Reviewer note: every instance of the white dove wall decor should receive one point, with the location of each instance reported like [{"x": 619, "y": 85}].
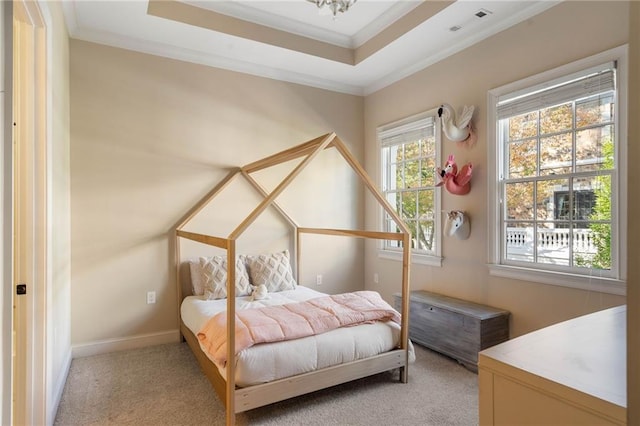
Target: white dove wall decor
[{"x": 456, "y": 129}]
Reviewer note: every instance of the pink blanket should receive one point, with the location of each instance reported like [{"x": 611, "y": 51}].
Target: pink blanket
[{"x": 293, "y": 321}]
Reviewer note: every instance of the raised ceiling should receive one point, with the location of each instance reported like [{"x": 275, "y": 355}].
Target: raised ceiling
[{"x": 372, "y": 45}]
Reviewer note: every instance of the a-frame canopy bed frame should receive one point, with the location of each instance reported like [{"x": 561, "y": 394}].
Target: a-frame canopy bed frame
[{"x": 242, "y": 399}]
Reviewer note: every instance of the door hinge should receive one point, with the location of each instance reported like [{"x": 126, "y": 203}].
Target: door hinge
[{"x": 21, "y": 289}]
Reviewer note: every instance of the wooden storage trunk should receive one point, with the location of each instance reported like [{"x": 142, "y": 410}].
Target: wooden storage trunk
[{"x": 454, "y": 327}]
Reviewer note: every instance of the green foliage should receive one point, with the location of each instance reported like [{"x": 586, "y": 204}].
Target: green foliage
[
  {"x": 414, "y": 199},
  {"x": 552, "y": 144},
  {"x": 602, "y": 212}
]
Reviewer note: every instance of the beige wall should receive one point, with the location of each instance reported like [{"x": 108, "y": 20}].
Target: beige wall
[
  {"x": 548, "y": 40},
  {"x": 151, "y": 136}
]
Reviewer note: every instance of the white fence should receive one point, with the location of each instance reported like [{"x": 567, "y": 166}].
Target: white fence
[{"x": 551, "y": 243}]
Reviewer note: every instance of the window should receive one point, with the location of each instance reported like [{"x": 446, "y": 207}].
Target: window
[
  {"x": 560, "y": 182},
  {"x": 582, "y": 207},
  {"x": 409, "y": 154}
]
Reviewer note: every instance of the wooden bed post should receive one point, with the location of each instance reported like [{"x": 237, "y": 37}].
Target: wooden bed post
[
  {"x": 298, "y": 254},
  {"x": 231, "y": 332},
  {"x": 177, "y": 261},
  {"x": 404, "y": 326}
]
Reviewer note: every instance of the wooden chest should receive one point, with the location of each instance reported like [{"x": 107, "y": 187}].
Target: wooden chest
[{"x": 454, "y": 327}]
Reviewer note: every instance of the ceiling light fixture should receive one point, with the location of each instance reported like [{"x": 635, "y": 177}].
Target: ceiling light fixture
[{"x": 336, "y": 6}]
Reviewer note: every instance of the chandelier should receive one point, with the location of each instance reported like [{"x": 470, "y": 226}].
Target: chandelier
[{"x": 334, "y": 5}]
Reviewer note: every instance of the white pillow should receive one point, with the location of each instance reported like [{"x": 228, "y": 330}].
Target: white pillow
[
  {"x": 197, "y": 287},
  {"x": 209, "y": 277},
  {"x": 272, "y": 270}
]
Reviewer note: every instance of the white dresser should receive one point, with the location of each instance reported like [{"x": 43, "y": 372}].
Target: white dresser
[{"x": 571, "y": 373}]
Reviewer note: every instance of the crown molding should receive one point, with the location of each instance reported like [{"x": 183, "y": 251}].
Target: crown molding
[{"x": 216, "y": 61}]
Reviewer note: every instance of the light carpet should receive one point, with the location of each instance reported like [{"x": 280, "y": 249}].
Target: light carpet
[{"x": 163, "y": 385}]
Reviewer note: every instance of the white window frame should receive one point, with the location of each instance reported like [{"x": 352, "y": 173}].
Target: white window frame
[
  {"x": 613, "y": 281},
  {"x": 397, "y": 128}
]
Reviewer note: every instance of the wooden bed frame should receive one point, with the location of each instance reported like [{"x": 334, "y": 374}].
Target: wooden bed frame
[{"x": 236, "y": 399}]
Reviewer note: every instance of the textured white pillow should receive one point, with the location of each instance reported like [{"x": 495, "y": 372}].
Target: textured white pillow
[
  {"x": 272, "y": 270},
  {"x": 209, "y": 277},
  {"x": 197, "y": 287}
]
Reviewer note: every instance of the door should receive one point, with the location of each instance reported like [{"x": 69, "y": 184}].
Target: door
[{"x": 29, "y": 215}]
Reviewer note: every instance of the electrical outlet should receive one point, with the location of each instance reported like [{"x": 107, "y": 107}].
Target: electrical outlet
[
  {"x": 318, "y": 279},
  {"x": 151, "y": 297},
  {"x": 376, "y": 279}
]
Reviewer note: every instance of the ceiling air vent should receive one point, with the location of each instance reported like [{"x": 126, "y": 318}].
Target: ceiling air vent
[{"x": 483, "y": 12}]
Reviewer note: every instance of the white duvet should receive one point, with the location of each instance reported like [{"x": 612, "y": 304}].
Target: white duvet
[{"x": 271, "y": 361}]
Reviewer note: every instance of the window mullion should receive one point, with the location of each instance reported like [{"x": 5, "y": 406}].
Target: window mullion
[
  {"x": 538, "y": 145},
  {"x": 574, "y": 169},
  {"x": 503, "y": 158},
  {"x": 574, "y": 126},
  {"x": 572, "y": 214}
]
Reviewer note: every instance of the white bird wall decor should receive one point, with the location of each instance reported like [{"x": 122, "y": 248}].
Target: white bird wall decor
[{"x": 456, "y": 129}]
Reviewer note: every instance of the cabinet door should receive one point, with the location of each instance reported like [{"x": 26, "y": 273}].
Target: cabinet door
[{"x": 515, "y": 403}]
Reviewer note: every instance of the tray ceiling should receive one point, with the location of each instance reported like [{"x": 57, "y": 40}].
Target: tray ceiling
[{"x": 372, "y": 45}]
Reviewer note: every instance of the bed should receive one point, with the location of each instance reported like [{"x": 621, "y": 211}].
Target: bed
[
  {"x": 267, "y": 362},
  {"x": 269, "y": 372}
]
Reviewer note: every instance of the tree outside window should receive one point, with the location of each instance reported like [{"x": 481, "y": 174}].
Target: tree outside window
[
  {"x": 558, "y": 163},
  {"x": 408, "y": 162}
]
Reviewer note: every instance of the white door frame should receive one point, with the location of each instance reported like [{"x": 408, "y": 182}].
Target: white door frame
[
  {"x": 6, "y": 214},
  {"x": 30, "y": 215}
]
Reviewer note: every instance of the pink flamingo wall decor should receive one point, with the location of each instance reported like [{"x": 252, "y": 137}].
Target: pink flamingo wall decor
[{"x": 458, "y": 183}]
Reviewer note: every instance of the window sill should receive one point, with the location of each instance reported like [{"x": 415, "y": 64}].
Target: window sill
[
  {"x": 582, "y": 282},
  {"x": 416, "y": 259}
]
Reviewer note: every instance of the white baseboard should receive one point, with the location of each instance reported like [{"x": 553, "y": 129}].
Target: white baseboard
[{"x": 124, "y": 343}]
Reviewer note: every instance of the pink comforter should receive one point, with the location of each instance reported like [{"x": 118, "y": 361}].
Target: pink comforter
[{"x": 293, "y": 321}]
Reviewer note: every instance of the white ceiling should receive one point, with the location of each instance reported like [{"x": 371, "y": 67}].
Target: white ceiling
[{"x": 127, "y": 24}]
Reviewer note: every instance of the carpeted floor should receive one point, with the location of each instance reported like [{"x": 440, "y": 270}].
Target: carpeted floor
[{"x": 162, "y": 385}]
